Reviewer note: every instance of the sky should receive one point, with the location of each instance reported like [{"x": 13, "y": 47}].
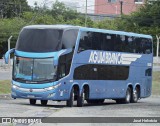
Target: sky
[{"x": 80, "y": 3}]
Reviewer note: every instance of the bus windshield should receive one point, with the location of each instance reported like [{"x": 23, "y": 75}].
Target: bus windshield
[
  {"x": 39, "y": 40},
  {"x": 34, "y": 70}
]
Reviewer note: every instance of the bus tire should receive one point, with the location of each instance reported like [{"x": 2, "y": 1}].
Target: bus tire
[
  {"x": 71, "y": 99},
  {"x": 81, "y": 99},
  {"x": 44, "y": 102},
  {"x": 32, "y": 101},
  {"x": 128, "y": 96},
  {"x": 135, "y": 96}
]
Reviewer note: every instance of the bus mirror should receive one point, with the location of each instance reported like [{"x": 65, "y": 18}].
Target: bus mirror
[{"x": 7, "y": 54}]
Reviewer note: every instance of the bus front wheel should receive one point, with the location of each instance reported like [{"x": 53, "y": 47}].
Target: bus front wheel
[
  {"x": 71, "y": 99},
  {"x": 32, "y": 101},
  {"x": 44, "y": 102}
]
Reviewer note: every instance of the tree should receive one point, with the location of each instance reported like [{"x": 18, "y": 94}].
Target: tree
[
  {"x": 107, "y": 23},
  {"x": 64, "y": 14},
  {"x": 146, "y": 20},
  {"x": 13, "y": 8},
  {"x": 9, "y": 27}
]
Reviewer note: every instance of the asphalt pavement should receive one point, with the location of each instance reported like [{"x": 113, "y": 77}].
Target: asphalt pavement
[{"x": 148, "y": 107}]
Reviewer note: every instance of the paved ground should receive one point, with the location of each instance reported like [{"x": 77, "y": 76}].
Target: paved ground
[
  {"x": 149, "y": 107},
  {"x": 5, "y": 75}
]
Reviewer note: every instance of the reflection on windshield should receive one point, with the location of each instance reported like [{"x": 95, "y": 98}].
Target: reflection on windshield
[{"x": 34, "y": 69}]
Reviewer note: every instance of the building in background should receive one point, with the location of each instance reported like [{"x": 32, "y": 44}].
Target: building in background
[{"x": 113, "y": 7}]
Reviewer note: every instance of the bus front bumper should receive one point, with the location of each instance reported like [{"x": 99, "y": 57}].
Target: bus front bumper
[{"x": 40, "y": 94}]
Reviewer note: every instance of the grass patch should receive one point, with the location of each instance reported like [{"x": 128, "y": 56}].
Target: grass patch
[
  {"x": 156, "y": 83},
  {"x": 5, "y": 86}
]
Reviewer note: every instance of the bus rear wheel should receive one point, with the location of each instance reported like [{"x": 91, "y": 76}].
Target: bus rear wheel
[
  {"x": 44, "y": 102},
  {"x": 128, "y": 96},
  {"x": 32, "y": 101},
  {"x": 135, "y": 96},
  {"x": 71, "y": 99},
  {"x": 81, "y": 99}
]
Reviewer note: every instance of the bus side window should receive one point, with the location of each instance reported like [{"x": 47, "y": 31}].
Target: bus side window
[
  {"x": 107, "y": 43},
  {"x": 64, "y": 65},
  {"x": 61, "y": 67},
  {"x": 85, "y": 41},
  {"x": 69, "y": 38},
  {"x": 148, "y": 72},
  {"x": 148, "y": 46},
  {"x": 96, "y": 40},
  {"x": 83, "y": 72}
]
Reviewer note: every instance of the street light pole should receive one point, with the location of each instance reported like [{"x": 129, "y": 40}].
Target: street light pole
[
  {"x": 158, "y": 38},
  {"x": 86, "y": 15},
  {"x": 121, "y": 3},
  {"x": 9, "y": 41}
]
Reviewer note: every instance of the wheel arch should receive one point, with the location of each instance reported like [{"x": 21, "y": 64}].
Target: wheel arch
[
  {"x": 86, "y": 88},
  {"x": 130, "y": 86},
  {"x": 137, "y": 85}
]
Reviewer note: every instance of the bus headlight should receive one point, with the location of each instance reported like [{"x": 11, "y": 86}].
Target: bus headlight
[
  {"x": 52, "y": 87},
  {"x": 15, "y": 87}
]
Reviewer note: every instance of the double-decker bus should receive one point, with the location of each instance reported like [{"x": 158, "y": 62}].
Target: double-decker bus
[{"x": 73, "y": 63}]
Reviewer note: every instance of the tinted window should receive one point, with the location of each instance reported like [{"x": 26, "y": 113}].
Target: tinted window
[
  {"x": 148, "y": 72},
  {"x": 114, "y": 42},
  {"x": 39, "y": 40},
  {"x": 101, "y": 72},
  {"x": 96, "y": 40},
  {"x": 69, "y": 38},
  {"x": 85, "y": 41},
  {"x": 64, "y": 65}
]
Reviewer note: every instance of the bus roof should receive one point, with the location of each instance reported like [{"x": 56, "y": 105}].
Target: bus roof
[
  {"x": 115, "y": 32},
  {"x": 86, "y": 29},
  {"x": 51, "y": 27}
]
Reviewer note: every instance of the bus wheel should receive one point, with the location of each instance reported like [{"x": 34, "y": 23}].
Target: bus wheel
[
  {"x": 135, "y": 96},
  {"x": 128, "y": 96},
  {"x": 81, "y": 98},
  {"x": 71, "y": 99},
  {"x": 44, "y": 102},
  {"x": 32, "y": 101}
]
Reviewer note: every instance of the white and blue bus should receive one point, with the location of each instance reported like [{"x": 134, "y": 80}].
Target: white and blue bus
[{"x": 73, "y": 63}]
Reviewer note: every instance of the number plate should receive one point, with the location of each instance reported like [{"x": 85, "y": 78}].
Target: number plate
[{"x": 30, "y": 96}]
